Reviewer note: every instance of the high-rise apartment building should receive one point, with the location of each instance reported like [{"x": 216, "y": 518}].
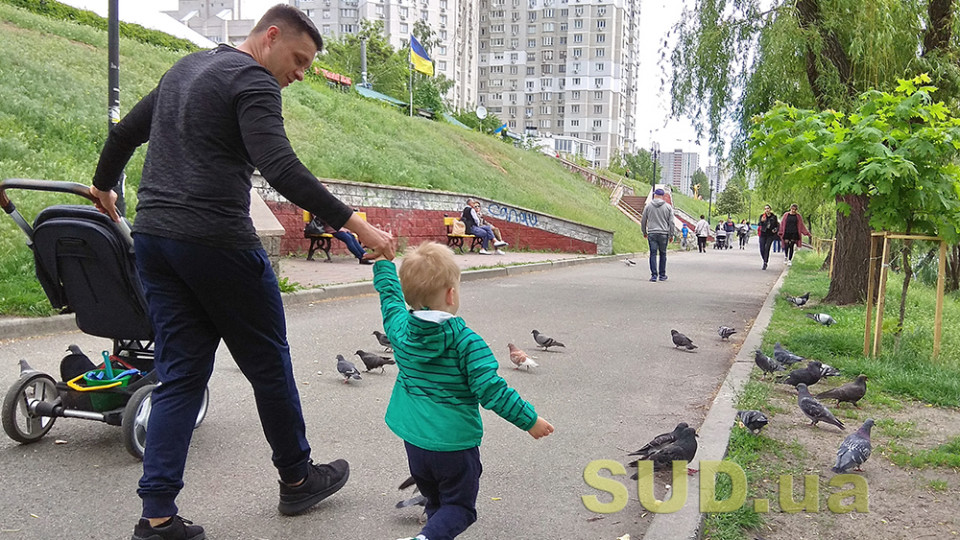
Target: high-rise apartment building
[
  {"x": 220, "y": 21},
  {"x": 562, "y": 68},
  {"x": 678, "y": 168}
]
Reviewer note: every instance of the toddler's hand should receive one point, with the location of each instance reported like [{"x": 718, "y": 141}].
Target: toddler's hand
[{"x": 541, "y": 429}]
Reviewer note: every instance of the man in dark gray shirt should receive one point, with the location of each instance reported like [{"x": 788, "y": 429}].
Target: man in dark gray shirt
[{"x": 213, "y": 118}]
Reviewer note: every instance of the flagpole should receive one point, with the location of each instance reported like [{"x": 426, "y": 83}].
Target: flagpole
[{"x": 411, "y": 89}]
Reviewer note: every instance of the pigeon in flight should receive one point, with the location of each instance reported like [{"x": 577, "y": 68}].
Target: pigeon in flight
[
  {"x": 680, "y": 340},
  {"x": 855, "y": 449},
  {"x": 347, "y": 369},
  {"x": 852, "y": 392},
  {"x": 752, "y": 420},
  {"x": 822, "y": 318},
  {"x": 629, "y": 262},
  {"x": 766, "y": 364},
  {"x": 383, "y": 340},
  {"x": 826, "y": 370},
  {"x": 520, "y": 358},
  {"x": 725, "y": 332},
  {"x": 658, "y": 442},
  {"x": 546, "y": 342},
  {"x": 809, "y": 375},
  {"x": 798, "y": 301},
  {"x": 784, "y": 356},
  {"x": 684, "y": 448},
  {"x": 374, "y": 361},
  {"x": 815, "y": 410}
]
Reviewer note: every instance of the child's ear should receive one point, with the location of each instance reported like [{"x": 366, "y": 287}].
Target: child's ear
[{"x": 451, "y": 295}]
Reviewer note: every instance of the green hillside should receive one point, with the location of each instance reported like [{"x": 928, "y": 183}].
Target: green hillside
[{"x": 53, "y": 124}]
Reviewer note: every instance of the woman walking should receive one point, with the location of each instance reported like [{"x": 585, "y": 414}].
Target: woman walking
[
  {"x": 702, "y": 230},
  {"x": 767, "y": 229},
  {"x": 791, "y": 229}
]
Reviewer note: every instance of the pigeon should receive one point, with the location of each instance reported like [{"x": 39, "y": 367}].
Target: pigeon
[
  {"x": 680, "y": 340},
  {"x": 752, "y": 420},
  {"x": 75, "y": 364},
  {"x": 347, "y": 369},
  {"x": 798, "y": 301},
  {"x": 417, "y": 500},
  {"x": 809, "y": 375},
  {"x": 852, "y": 392},
  {"x": 374, "y": 361},
  {"x": 546, "y": 342},
  {"x": 629, "y": 262},
  {"x": 658, "y": 442},
  {"x": 784, "y": 356},
  {"x": 520, "y": 358},
  {"x": 766, "y": 364},
  {"x": 826, "y": 370},
  {"x": 725, "y": 332},
  {"x": 822, "y": 318},
  {"x": 814, "y": 409},
  {"x": 684, "y": 448},
  {"x": 855, "y": 449},
  {"x": 383, "y": 340}
]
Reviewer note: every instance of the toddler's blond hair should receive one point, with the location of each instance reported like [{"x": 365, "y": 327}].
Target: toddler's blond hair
[{"x": 425, "y": 271}]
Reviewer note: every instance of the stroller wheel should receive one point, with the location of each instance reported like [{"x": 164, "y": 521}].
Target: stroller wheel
[
  {"x": 19, "y": 422},
  {"x": 136, "y": 417}
]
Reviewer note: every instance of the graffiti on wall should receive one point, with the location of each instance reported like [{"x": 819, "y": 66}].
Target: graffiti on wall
[{"x": 512, "y": 215}]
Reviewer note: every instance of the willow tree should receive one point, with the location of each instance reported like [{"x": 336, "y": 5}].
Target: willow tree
[{"x": 735, "y": 58}]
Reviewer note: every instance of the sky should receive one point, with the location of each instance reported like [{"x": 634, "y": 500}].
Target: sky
[{"x": 656, "y": 18}]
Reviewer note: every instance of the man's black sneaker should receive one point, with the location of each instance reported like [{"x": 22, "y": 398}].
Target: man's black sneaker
[
  {"x": 176, "y": 528},
  {"x": 322, "y": 481}
]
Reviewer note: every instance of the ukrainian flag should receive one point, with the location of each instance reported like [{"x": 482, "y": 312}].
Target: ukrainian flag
[{"x": 418, "y": 57}]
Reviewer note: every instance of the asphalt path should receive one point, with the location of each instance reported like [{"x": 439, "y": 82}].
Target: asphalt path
[{"x": 618, "y": 382}]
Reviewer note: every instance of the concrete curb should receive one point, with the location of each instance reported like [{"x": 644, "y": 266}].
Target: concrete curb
[
  {"x": 30, "y": 327},
  {"x": 714, "y": 434}
]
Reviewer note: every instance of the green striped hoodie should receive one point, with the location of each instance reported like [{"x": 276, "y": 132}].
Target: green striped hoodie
[{"x": 445, "y": 370}]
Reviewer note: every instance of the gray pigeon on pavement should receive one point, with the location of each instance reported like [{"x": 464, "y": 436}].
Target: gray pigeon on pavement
[
  {"x": 809, "y": 375},
  {"x": 383, "y": 340},
  {"x": 815, "y": 410},
  {"x": 725, "y": 332},
  {"x": 374, "y": 361},
  {"x": 766, "y": 364},
  {"x": 417, "y": 500},
  {"x": 546, "y": 342},
  {"x": 752, "y": 420},
  {"x": 658, "y": 442},
  {"x": 826, "y": 370},
  {"x": 798, "y": 301},
  {"x": 347, "y": 369},
  {"x": 680, "y": 340},
  {"x": 684, "y": 448},
  {"x": 852, "y": 392},
  {"x": 855, "y": 449},
  {"x": 784, "y": 356},
  {"x": 822, "y": 318},
  {"x": 629, "y": 262}
]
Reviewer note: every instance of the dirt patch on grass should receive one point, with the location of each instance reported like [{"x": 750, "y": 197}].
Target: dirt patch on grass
[
  {"x": 904, "y": 502},
  {"x": 486, "y": 157}
]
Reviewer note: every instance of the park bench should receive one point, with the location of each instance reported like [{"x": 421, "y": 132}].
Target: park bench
[
  {"x": 321, "y": 241},
  {"x": 456, "y": 240}
]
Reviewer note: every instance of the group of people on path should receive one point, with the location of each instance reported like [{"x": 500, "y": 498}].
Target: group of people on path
[{"x": 658, "y": 227}]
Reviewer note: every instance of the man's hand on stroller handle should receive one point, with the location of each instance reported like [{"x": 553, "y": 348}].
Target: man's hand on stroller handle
[{"x": 106, "y": 202}]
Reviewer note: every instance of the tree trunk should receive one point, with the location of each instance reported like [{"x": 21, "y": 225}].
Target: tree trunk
[
  {"x": 808, "y": 12},
  {"x": 937, "y": 36},
  {"x": 953, "y": 269},
  {"x": 907, "y": 275},
  {"x": 849, "y": 282}
]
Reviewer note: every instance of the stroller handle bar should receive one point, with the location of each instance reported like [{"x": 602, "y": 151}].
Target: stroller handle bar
[{"x": 48, "y": 185}]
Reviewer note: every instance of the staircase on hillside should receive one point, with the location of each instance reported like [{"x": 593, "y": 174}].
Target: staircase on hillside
[{"x": 632, "y": 206}]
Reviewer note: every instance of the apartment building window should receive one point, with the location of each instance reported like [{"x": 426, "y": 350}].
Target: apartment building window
[
  {"x": 601, "y": 11},
  {"x": 424, "y": 14},
  {"x": 348, "y": 28},
  {"x": 574, "y": 109},
  {"x": 443, "y": 35},
  {"x": 442, "y": 64},
  {"x": 546, "y": 83},
  {"x": 529, "y": 87},
  {"x": 601, "y": 38},
  {"x": 598, "y": 109},
  {"x": 326, "y": 29},
  {"x": 513, "y": 99},
  {"x": 529, "y": 111},
  {"x": 531, "y": 70},
  {"x": 531, "y": 57},
  {"x": 563, "y": 27},
  {"x": 498, "y": 56},
  {"x": 546, "y": 96},
  {"x": 576, "y": 53},
  {"x": 443, "y": 19},
  {"x": 480, "y": 97},
  {"x": 483, "y": 18},
  {"x": 483, "y": 45},
  {"x": 547, "y": 41},
  {"x": 514, "y": 70},
  {"x": 578, "y": 11},
  {"x": 560, "y": 123},
  {"x": 546, "y": 69},
  {"x": 404, "y": 28},
  {"x": 599, "y": 66},
  {"x": 597, "y": 123},
  {"x": 326, "y": 14},
  {"x": 348, "y": 12},
  {"x": 601, "y": 24},
  {"x": 496, "y": 82},
  {"x": 596, "y": 138},
  {"x": 547, "y": 55},
  {"x": 514, "y": 29},
  {"x": 600, "y": 52},
  {"x": 548, "y": 27},
  {"x": 575, "y": 95},
  {"x": 482, "y": 71},
  {"x": 498, "y": 28},
  {"x": 443, "y": 4},
  {"x": 442, "y": 50},
  {"x": 545, "y": 123},
  {"x": 578, "y": 38},
  {"x": 564, "y": 12},
  {"x": 531, "y": 43},
  {"x": 545, "y": 109},
  {"x": 532, "y": 16},
  {"x": 496, "y": 69},
  {"x": 563, "y": 40},
  {"x": 598, "y": 95},
  {"x": 574, "y": 123},
  {"x": 578, "y": 23},
  {"x": 513, "y": 123},
  {"x": 513, "y": 57},
  {"x": 562, "y": 68},
  {"x": 380, "y": 10},
  {"x": 497, "y": 42},
  {"x": 531, "y": 29},
  {"x": 548, "y": 13}
]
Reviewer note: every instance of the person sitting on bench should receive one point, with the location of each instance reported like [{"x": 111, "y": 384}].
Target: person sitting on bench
[
  {"x": 346, "y": 237},
  {"x": 475, "y": 227}
]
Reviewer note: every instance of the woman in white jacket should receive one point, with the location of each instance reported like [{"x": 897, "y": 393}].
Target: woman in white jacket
[{"x": 702, "y": 230}]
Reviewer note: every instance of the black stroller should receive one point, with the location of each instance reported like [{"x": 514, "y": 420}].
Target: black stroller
[{"x": 84, "y": 262}]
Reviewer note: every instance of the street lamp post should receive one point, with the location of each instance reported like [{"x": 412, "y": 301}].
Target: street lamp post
[
  {"x": 655, "y": 154},
  {"x": 710, "y": 201}
]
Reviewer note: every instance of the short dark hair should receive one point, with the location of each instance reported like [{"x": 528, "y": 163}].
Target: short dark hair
[
  {"x": 287, "y": 17},
  {"x": 701, "y": 216}
]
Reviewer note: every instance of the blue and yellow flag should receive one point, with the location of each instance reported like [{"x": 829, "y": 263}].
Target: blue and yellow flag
[{"x": 418, "y": 57}]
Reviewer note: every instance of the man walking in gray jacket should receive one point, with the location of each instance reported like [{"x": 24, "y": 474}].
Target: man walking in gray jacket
[{"x": 658, "y": 227}]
